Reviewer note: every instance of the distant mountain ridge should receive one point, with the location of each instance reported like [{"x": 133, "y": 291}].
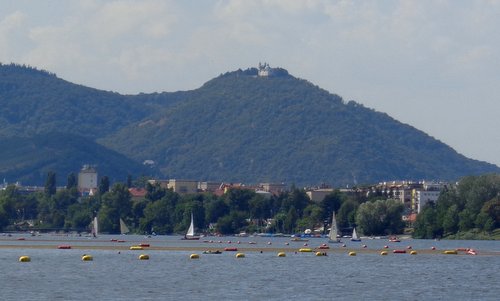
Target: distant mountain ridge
[{"x": 237, "y": 127}]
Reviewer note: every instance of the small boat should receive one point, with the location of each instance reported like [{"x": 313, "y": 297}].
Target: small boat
[
  {"x": 298, "y": 239},
  {"x": 355, "y": 235},
  {"x": 394, "y": 239},
  {"x": 123, "y": 227},
  {"x": 190, "y": 232},
  {"x": 212, "y": 252},
  {"x": 332, "y": 236},
  {"x": 323, "y": 247}
]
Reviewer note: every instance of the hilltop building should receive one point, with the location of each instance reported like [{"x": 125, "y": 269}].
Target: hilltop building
[{"x": 264, "y": 70}]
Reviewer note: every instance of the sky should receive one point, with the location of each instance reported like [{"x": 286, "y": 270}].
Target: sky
[{"x": 434, "y": 65}]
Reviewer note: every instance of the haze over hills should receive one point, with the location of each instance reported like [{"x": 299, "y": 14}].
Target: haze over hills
[{"x": 237, "y": 127}]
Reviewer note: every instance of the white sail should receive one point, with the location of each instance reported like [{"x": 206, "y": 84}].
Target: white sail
[
  {"x": 355, "y": 235},
  {"x": 190, "y": 231},
  {"x": 123, "y": 227},
  {"x": 95, "y": 227},
  {"x": 333, "y": 230}
]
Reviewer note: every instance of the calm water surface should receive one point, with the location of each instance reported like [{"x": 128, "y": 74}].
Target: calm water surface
[{"x": 170, "y": 275}]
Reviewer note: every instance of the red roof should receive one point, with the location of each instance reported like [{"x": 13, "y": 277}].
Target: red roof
[{"x": 137, "y": 192}]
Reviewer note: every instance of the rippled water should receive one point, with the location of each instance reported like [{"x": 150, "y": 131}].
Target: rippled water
[{"x": 170, "y": 275}]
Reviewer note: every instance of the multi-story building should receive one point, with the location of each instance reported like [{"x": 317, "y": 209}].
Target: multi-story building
[
  {"x": 87, "y": 180},
  {"x": 183, "y": 186}
]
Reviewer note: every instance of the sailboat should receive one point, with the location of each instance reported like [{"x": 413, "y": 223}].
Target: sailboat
[
  {"x": 355, "y": 235},
  {"x": 123, "y": 227},
  {"x": 332, "y": 236},
  {"x": 95, "y": 228},
  {"x": 190, "y": 232}
]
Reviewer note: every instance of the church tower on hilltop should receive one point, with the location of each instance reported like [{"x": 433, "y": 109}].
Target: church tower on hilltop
[{"x": 264, "y": 70}]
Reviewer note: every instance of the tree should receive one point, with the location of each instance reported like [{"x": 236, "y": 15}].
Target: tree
[
  {"x": 157, "y": 216},
  {"x": 215, "y": 209},
  {"x": 465, "y": 220},
  {"x": 380, "y": 217},
  {"x": 72, "y": 182},
  {"x": 346, "y": 216},
  {"x": 492, "y": 208},
  {"x": 290, "y": 220},
  {"x": 426, "y": 224},
  {"x": 331, "y": 202},
  {"x": 155, "y": 191},
  {"x": 260, "y": 208},
  {"x": 103, "y": 185},
  {"x": 116, "y": 204},
  {"x": 232, "y": 223},
  {"x": 50, "y": 183},
  {"x": 129, "y": 180},
  {"x": 238, "y": 199},
  {"x": 297, "y": 199},
  {"x": 450, "y": 221}
]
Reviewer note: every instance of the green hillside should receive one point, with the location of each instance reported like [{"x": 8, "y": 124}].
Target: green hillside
[
  {"x": 30, "y": 159},
  {"x": 236, "y": 127},
  {"x": 240, "y": 127},
  {"x": 35, "y": 101}
]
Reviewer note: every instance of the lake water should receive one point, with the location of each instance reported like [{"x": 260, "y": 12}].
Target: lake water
[{"x": 117, "y": 274}]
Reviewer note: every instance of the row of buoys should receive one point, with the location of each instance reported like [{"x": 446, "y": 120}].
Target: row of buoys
[{"x": 85, "y": 257}]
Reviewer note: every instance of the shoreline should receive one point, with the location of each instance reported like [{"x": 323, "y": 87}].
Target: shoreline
[{"x": 344, "y": 251}]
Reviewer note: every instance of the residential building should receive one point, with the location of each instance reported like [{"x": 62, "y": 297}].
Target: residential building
[
  {"x": 87, "y": 180},
  {"x": 183, "y": 186}
]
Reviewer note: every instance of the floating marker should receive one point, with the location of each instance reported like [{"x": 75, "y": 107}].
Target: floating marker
[
  {"x": 86, "y": 257},
  {"x": 24, "y": 258}
]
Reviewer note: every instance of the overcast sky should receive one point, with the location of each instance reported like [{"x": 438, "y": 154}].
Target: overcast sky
[{"x": 432, "y": 64}]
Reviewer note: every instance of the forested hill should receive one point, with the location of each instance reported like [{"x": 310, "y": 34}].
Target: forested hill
[
  {"x": 241, "y": 127},
  {"x": 236, "y": 127}
]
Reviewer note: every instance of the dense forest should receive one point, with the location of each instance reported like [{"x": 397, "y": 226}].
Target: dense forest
[
  {"x": 165, "y": 212},
  {"x": 474, "y": 204},
  {"x": 463, "y": 211},
  {"x": 237, "y": 127}
]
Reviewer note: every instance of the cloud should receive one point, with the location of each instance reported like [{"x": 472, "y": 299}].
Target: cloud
[{"x": 10, "y": 26}]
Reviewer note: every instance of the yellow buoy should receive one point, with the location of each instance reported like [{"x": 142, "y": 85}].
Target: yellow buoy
[
  {"x": 352, "y": 253},
  {"x": 136, "y": 248},
  {"x": 320, "y": 254},
  {"x": 144, "y": 257},
  {"x": 240, "y": 255},
  {"x": 305, "y": 250},
  {"x": 383, "y": 253},
  {"x": 281, "y": 254},
  {"x": 24, "y": 259},
  {"x": 87, "y": 257},
  {"x": 194, "y": 256},
  {"x": 450, "y": 252},
  {"x": 413, "y": 252}
]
